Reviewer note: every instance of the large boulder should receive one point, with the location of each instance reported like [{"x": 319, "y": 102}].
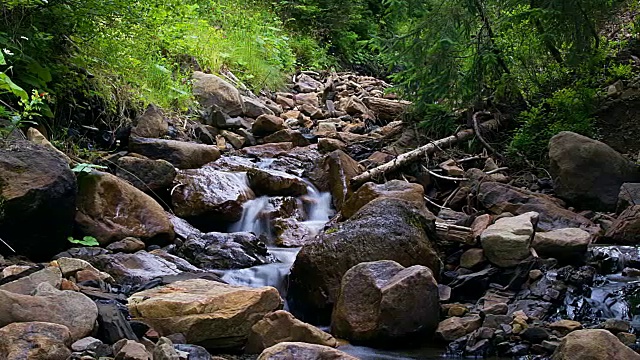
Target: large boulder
[
  {"x": 588, "y": 173},
  {"x": 208, "y": 313},
  {"x": 508, "y": 241},
  {"x": 500, "y": 198},
  {"x": 267, "y": 124},
  {"x": 568, "y": 244},
  {"x": 391, "y": 189},
  {"x": 212, "y": 91},
  {"x": 280, "y": 326},
  {"x": 110, "y": 209},
  {"x": 593, "y": 344},
  {"x": 35, "y": 341},
  {"x": 225, "y": 250},
  {"x": 276, "y": 183},
  {"x": 384, "y": 229},
  {"x": 37, "y": 200},
  {"x": 383, "y": 302},
  {"x": 69, "y": 308},
  {"x": 151, "y": 124},
  {"x": 333, "y": 174},
  {"x": 26, "y": 285},
  {"x": 301, "y": 350},
  {"x": 207, "y": 196},
  {"x": 253, "y": 108},
  {"x": 626, "y": 228},
  {"x": 182, "y": 154},
  {"x": 629, "y": 195},
  {"x": 146, "y": 174}
]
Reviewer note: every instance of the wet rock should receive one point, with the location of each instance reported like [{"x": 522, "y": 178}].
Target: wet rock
[
  {"x": 146, "y": 174},
  {"x": 287, "y": 135},
  {"x": 208, "y": 195},
  {"x": 28, "y": 284},
  {"x": 593, "y": 344},
  {"x": 299, "y": 350},
  {"x": 506, "y": 243},
  {"x": 627, "y": 338},
  {"x": 535, "y": 335},
  {"x": 194, "y": 352},
  {"x": 327, "y": 145},
  {"x": 225, "y": 250},
  {"x": 34, "y": 341},
  {"x": 181, "y": 154},
  {"x": 276, "y": 183},
  {"x": 588, "y": 173},
  {"x": 164, "y": 350},
  {"x": 563, "y": 244},
  {"x": 280, "y": 326},
  {"x": 212, "y": 91},
  {"x": 151, "y": 124},
  {"x": 456, "y": 327},
  {"x": 253, "y": 108},
  {"x": 69, "y": 308},
  {"x": 375, "y": 232},
  {"x": 397, "y": 189},
  {"x": 333, "y": 174},
  {"x": 132, "y": 350},
  {"x": 267, "y": 150},
  {"x": 472, "y": 258},
  {"x": 84, "y": 253},
  {"x": 110, "y": 209},
  {"x": 616, "y": 325},
  {"x": 629, "y": 195},
  {"x": 626, "y": 228},
  {"x": 267, "y": 124},
  {"x": 501, "y": 198},
  {"x": 384, "y": 302},
  {"x": 495, "y": 321},
  {"x": 208, "y": 313},
  {"x": 112, "y": 322},
  {"x": 38, "y": 200},
  {"x": 291, "y": 233},
  {"x": 127, "y": 245}
]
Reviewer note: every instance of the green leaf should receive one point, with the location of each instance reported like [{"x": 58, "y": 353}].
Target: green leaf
[
  {"x": 8, "y": 85},
  {"x": 86, "y": 241},
  {"x": 86, "y": 168},
  {"x": 2, "y": 60}
]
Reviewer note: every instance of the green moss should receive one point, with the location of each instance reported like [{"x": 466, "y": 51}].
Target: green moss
[{"x": 331, "y": 231}]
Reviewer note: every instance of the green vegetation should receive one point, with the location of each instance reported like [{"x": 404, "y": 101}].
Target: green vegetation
[{"x": 85, "y": 241}]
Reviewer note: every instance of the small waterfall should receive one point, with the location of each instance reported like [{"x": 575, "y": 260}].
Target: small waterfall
[
  {"x": 252, "y": 219},
  {"x": 319, "y": 209}
]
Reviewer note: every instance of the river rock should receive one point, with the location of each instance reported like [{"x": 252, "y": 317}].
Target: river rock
[
  {"x": 70, "y": 267},
  {"x": 384, "y": 302},
  {"x": 110, "y": 209},
  {"x": 472, "y": 258},
  {"x": 333, "y": 174},
  {"x": 384, "y": 229},
  {"x": 208, "y": 313},
  {"x": 397, "y": 189},
  {"x": 327, "y": 145},
  {"x": 28, "y": 284},
  {"x": 267, "y": 150},
  {"x": 164, "y": 350},
  {"x": 502, "y": 198},
  {"x": 225, "y": 250},
  {"x": 588, "y": 173},
  {"x": 151, "y": 124},
  {"x": 563, "y": 244},
  {"x": 280, "y": 326},
  {"x": 291, "y": 232},
  {"x": 253, "y": 108},
  {"x": 629, "y": 195},
  {"x": 507, "y": 242},
  {"x": 88, "y": 343},
  {"x": 307, "y": 84},
  {"x": 34, "y": 341},
  {"x": 183, "y": 155},
  {"x": 210, "y": 90},
  {"x": 146, "y": 174},
  {"x": 456, "y": 327},
  {"x": 354, "y": 106},
  {"x": 37, "y": 206},
  {"x": 69, "y": 308},
  {"x": 565, "y": 326},
  {"x": 208, "y": 195},
  {"x": 275, "y": 183},
  {"x": 308, "y": 98},
  {"x": 131, "y": 350},
  {"x": 300, "y": 350},
  {"x": 287, "y": 135},
  {"x": 626, "y": 228},
  {"x": 267, "y": 124},
  {"x": 593, "y": 344},
  {"x": 128, "y": 245}
]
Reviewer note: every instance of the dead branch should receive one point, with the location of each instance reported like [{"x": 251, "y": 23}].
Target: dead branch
[
  {"x": 478, "y": 131},
  {"x": 416, "y": 154}
]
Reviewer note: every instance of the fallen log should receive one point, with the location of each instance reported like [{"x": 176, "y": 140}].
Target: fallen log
[{"x": 407, "y": 158}]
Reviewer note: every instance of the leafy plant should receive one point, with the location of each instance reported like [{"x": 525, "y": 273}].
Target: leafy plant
[
  {"x": 86, "y": 168},
  {"x": 85, "y": 241}
]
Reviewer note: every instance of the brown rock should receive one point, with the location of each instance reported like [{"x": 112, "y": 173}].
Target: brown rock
[
  {"x": 35, "y": 341},
  {"x": 593, "y": 344},
  {"x": 626, "y": 228},
  {"x": 309, "y": 99},
  {"x": 384, "y": 302},
  {"x": 291, "y": 233},
  {"x": 568, "y": 244},
  {"x": 565, "y": 326},
  {"x": 472, "y": 258},
  {"x": 629, "y": 195},
  {"x": 132, "y": 350},
  {"x": 267, "y": 124},
  {"x": 211, "y": 91},
  {"x": 36, "y": 137},
  {"x": 334, "y": 172},
  {"x": 151, "y": 124},
  {"x": 276, "y": 183},
  {"x": 181, "y": 154},
  {"x": 327, "y": 145},
  {"x": 456, "y": 327},
  {"x": 280, "y": 326},
  {"x": 254, "y": 107},
  {"x": 127, "y": 245},
  {"x": 208, "y": 313},
  {"x": 110, "y": 209},
  {"x": 28, "y": 284},
  {"x": 287, "y": 135},
  {"x": 385, "y": 109},
  {"x": 267, "y": 150},
  {"x": 396, "y": 189},
  {"x": 298, "y": 350},
  {"x": 145, "y": 174},
  {"x": 480, "y": 224}
]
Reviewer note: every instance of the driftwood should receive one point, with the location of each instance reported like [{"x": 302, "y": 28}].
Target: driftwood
[
  {"x": 460, "y": 234},
  {"x": 416, "y": 154}
]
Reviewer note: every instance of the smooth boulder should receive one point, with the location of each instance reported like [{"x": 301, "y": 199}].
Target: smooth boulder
[
  {"x": 625, "y": 229},
  {"x": 383, "y": 302},
  {"x": 568, "y": 244},
  {"x": 507, "y": 242},
  {"x": 146, "y": 174},
  {"x": 213, "y": 91},
  {"x": 333, "y": 173},
  {"x": 391, "y": 189},
  {"x": 182, "y": 154},
  {"x": 300, "y": 350},
  {"x": 37, "y": 200},
  {"x": 593, "y": 344},
  {"x": 588, "y": 173},
  {"x": 35, "y": 341},
  {"x": 384, "y": 229},
  {"x": 110, "y": 209},
  {"x": 225, "y": 250},
  {"x": 151, "y": 124},
  {"x": 275, "y": 183},
  {"x": 208, "y": 313}
]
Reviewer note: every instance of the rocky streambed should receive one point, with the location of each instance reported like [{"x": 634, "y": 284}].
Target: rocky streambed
[{"x": 237, "y": 233}]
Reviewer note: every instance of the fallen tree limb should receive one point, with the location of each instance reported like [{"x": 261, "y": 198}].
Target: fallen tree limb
[
  {"x": 416, "y": 154},
  {"x": 478, "y": 131}
]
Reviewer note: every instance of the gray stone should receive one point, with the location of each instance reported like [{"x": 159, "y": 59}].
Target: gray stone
[{"x": 507, "y": 242}]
